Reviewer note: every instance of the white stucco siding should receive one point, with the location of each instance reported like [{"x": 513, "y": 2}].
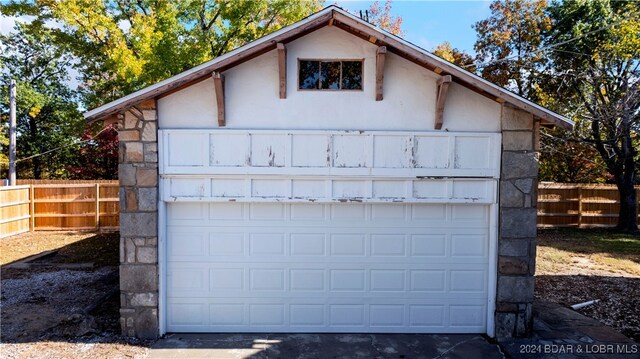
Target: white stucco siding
[
  {"x": 252, "y": 100},
  {"x": 466, "y": 110},
  {"x": 192, "y": 107}
]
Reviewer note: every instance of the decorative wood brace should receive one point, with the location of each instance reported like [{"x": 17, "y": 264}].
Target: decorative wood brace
[
  {"x": 536, "y": 135},
  {"x": 443, "y": 87},
  {"x": 380, "y": 58},
  {"x": 282, "y": 68},
  {"x": 218, "y": 83}
]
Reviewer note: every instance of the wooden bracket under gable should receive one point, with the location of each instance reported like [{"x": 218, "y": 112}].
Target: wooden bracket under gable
[
  {"x": 536, "y": 135},
  {"x": 282, "y": 69},
  {"x": 218, "y": 84},
  {"x": 136, "y": 112},
  {"x": 380, "y": 59},
  {"x": 111, "y": 120},
  {"x": 443, "y": 87}
]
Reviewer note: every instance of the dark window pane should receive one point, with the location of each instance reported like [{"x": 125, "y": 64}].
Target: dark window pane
[
  {"x": 330, "y": 75},
  {"x": 352, "y": 75},
  {"x": 309, "y": 74}
]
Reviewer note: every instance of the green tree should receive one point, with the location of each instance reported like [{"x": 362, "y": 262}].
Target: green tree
[
  {"x": 508, "y": 43},
  {"x": 4, "y": 146},
  {"x": 455, "y": 56},
  {"x": 596, "y": 52},
  {"x": 123, "y": 45},
  {"x": 47, "y": 115},
  {"x": 120, "y": 46}
]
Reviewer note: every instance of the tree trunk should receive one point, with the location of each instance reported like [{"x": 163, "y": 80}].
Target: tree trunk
[
  {"x": 628, "y": 218},
  {"x": 628, "y": 215},
  {"x": 623, "y": 170}
]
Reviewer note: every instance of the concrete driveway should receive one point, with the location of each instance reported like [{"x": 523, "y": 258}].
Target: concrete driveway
[{"x": 324, "y": 346}]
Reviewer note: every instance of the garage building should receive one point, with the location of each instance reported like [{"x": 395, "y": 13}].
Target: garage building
[{"x": 329, "y": 177}]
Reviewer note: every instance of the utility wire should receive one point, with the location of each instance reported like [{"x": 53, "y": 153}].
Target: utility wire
[
  {"x": 549, "y": 47},
  {"x": 59, "y": 147},
  {"x": 551, "y": 149}
]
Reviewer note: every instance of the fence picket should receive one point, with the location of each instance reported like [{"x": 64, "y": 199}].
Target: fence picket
[
  {"x": 578, "y": 205},
  {"x": 60, "y": 205}
]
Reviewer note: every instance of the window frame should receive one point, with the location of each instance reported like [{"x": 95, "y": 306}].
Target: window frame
[{"x": 341, "y": 60}]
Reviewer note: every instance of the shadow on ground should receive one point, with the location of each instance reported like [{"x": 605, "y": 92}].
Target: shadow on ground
[
  {"x": 324, "y": 346},
  {"x": 559, "y": 332},
  {"x": 70, "y": 294}
]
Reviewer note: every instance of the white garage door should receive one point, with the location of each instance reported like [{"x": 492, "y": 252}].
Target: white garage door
[
  {"x": 327, "y": 231},
  {"x": 304, "y": 267}
]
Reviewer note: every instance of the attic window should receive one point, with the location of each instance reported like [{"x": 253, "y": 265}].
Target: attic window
[{"x": 330, "y": 74}]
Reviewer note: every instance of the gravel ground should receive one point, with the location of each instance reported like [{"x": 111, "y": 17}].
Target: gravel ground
[
  {"x": 51, "y": 311},
  {"x": 110, "y": 346}
]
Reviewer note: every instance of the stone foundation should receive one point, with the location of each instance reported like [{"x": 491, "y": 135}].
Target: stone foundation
[
  {"x": 138, "y": 175},
  {"x": 517, "y": 225}
]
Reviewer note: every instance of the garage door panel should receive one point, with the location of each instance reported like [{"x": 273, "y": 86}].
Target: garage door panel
[
  {"x": 334, "y": 260},
  {"x": 366, "y": 263},
  {"x": 327, "y": 267},
  {"x": 346, "y": 316},
  {"x": 384, "y": 226},
  {"x": 344, "y": 299},
  {"x": 416, "y": 244},
  {"x": 439, "y": 215},
  {"x": 243, "y": 280}
]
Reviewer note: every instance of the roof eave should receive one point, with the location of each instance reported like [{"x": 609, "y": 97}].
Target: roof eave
[
  {"x": 204, "y": 69},
  {"x": 312, "y": 22}
]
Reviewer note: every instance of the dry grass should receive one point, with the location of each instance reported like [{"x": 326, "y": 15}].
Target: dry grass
[
  {"x": 83, "y": 246},
  {"x": 571, "y": 251}
]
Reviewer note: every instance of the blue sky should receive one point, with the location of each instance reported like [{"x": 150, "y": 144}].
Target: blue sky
[{"x": 427, "y": 23}]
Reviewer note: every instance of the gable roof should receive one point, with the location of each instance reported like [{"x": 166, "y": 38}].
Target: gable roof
[{"x": 331, "y": 16}]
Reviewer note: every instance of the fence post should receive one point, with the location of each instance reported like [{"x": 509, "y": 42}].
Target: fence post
[
  {"x": 579, "y": 206},
  {"x": 32, "y": 209},
  {"x": 97, "y": 205}
]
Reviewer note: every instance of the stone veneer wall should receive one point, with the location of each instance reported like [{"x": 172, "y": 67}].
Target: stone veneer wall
[
  {"x": 517, "y": 224},
  {"x": 138, "y": 175}
]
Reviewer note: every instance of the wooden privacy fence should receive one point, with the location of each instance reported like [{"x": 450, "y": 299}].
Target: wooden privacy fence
[
  {"x": 58, "y": 206},
  {"x": 15, "y": 210},
  {"x": 36, "y": 205},
  {"x": 578, "y": 205}
]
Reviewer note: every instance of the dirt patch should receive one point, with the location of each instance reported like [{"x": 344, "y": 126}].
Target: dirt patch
[
  {"x": 575, "y": 266},
  {"x": 73, "y": 247},
  {"x": 49, "y": 310}
]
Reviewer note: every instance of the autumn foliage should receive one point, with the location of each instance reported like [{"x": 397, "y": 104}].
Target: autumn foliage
[{"x": 98, "y": 155}]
